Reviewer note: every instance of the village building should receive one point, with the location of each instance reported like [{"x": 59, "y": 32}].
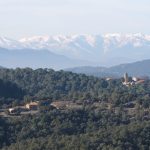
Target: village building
[
  {"x": 12, "y": 110},
  {"x": 109, "y": 79},
  {"x": 16, "y": 110},
  {"x": 133, "y": 81},
  {"x": 32, "y": 105},
  {"x": 140, "y": 82}
]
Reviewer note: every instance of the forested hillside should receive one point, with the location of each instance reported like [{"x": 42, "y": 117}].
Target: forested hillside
[
  {"x": 47, "y": 83},
  {"x": 9, "y": 89},
  {"x": 112, "y": 116}
]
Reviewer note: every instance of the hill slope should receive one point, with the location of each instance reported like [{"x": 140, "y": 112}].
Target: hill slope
[
  {"x": 140, "y": 68},
  {"x": 36, "y": 59}
]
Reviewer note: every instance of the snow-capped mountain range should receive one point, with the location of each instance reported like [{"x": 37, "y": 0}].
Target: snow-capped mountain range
[{"x": 108, "y": 49}]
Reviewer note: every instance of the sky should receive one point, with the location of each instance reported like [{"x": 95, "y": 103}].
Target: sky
[{"x": 21, "y": 18}]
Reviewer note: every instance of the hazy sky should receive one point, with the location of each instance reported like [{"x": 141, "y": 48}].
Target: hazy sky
[{"x": 19, "y": 18}]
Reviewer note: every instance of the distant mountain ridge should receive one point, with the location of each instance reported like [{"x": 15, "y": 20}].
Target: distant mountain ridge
[
  {"x": 140, "y": 68},
  {"x": 104, "y": 50},
  {"x": 36, "y": 59}
]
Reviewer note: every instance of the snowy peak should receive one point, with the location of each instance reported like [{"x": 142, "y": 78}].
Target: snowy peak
[
  {"x": 59, "y": 39},
  {"x": 115, "y": 39},
  {"x": 34, "y": 38},
  {"x": 10, "y": 43},
  {"x": 78, "y": 41},
  {"x": 119, "y": 40},
  {"x": 106, "y": 40},
  {"x": 73, "y": 46},
  {"x": 101, "y": 48}
]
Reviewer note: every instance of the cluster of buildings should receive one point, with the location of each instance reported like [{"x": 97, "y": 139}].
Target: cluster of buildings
[
  {"x": 34, "y": 106},
  {"x": 68, "y": 104},
  {"x": 28, "y": 107},
  {"x": 132, "y": 80}
]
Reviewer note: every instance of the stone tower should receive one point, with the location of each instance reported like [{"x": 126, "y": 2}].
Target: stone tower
[{"x": 126, "y": 79}]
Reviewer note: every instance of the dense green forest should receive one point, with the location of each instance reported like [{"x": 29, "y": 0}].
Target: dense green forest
[{"x": 112, "y": 117}]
